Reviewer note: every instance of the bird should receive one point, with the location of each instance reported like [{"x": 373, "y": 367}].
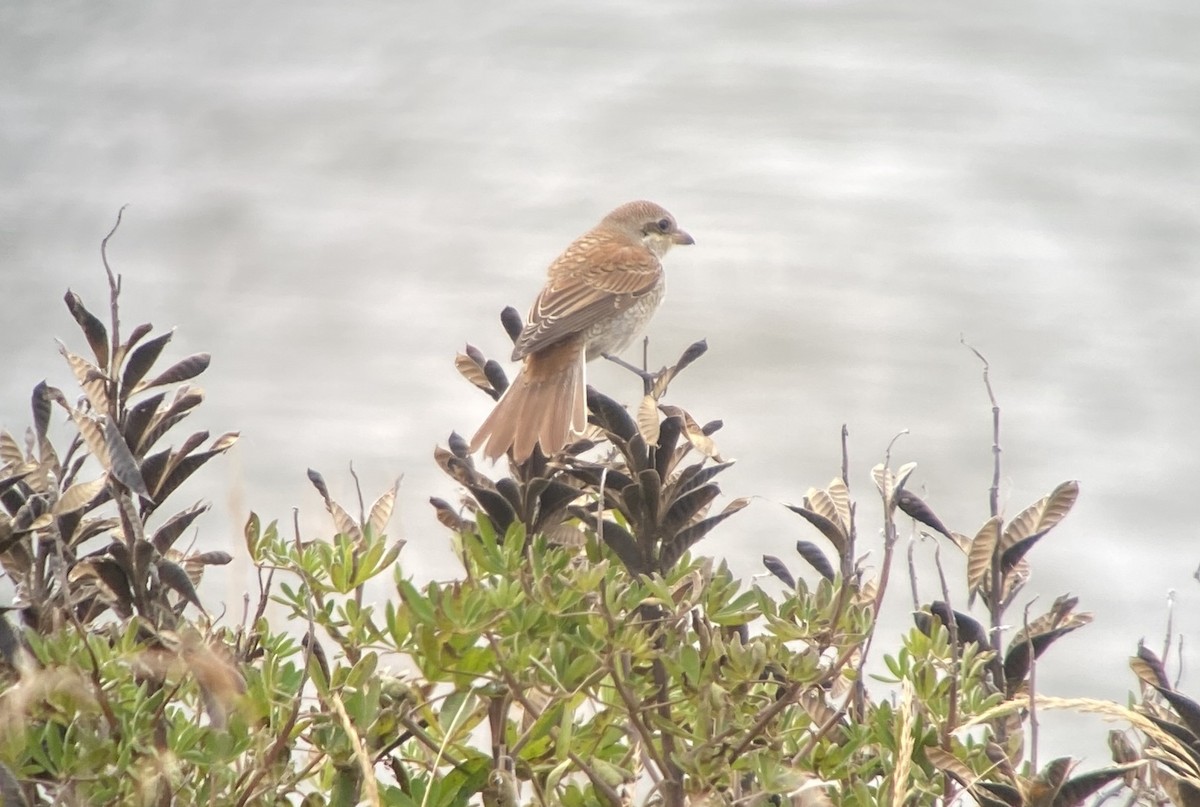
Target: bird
[{"x": 599, "y": 294}]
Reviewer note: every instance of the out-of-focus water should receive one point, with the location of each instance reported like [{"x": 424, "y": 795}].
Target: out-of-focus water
[{"x": 333, "y": 200}]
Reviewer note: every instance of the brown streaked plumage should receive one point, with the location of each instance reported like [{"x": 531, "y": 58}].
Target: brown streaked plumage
[{"x": 599, "y": 295}]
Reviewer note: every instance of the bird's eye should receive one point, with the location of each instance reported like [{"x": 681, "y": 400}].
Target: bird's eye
[{"x": 664, "y": 225}]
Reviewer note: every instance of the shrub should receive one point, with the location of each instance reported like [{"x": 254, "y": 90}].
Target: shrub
[{"x": 588, "y": 655}]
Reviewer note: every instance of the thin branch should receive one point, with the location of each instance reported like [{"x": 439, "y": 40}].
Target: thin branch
[
  {"x": 1166, "y": 651},
  {"x": 951, "y": 722},
  {"x": 889, "y": 543},
  {"x": 995, "y": 598},
  {"x": 598, "y": 784},
  {"x": 785, "y": 699},
  {"x": 1179, "y": 673},
  {"x": 1033, "y": 716},
  {"x": 782, "y": 701},
  {"x": 912, "y": 572},
  {"x": 283, "y": 737},
  {"x": 673, "y": 775},
  {"x": 994, "y": 493},
  {"x": 811, "y": 742},
  {"x": 634, "y": 707},
  {"x": 362, "y": 509},
  {"x": 647, "y": 377},
  {"x": 114, "y": 284},
  {"x": 362, "y": 520},
  {"x": 365, "y": 764}
]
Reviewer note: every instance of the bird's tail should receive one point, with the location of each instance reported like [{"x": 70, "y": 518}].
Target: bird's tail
[{"x": 546, "y": 404}]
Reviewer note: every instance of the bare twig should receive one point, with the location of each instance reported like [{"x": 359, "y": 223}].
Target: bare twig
[
  {"x": 912, "y": 572},
  {"x": 362, "y": 509},
  {"x": 283, "y": 737},
  {"x": 646, "y": 376},
  {"x": 1179, "y": 673},
  {"x": 634, "y": 708},
  {"x": 114, "y": 284},
  {"x": 365, "y": 764},
  {"x": 951, "y": 722},
  {"x": 889, "y": 543},
  {"x": 846, "y": 455},
  {"x": 995, "y": 600},
  {"x": 994, "y": 493},
  {"x": 782, "y": 701},
  {"x": 848, "y": 562},
  {"x": 785, "y": 699},
  {"x": 672, "y": 775},
  {"x": 1166, "y": 651},
  {"x": 1033, "y": 715},
  {"x": 598, "y": 784},
  {"x": 811, "y": 741},
  {"x": 632, "y": 705}
]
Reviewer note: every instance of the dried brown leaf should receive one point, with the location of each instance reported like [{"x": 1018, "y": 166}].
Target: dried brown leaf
[
  {"x": 839, "y": 494},
  {"x": 983, "y": 549},
  {"x": 1078, "y": 789},
  {"x": 777, "y": 567},
  {"x": 93, "y": 328},
  {"x": 688, "y": 508},
  {"x": 186, "y": 368},
  {"x": 342, "y": 522},
  {"x": 123, "y": 465},
  {"x": 737, "y": 504},
  {"x": 1042, "y": 515},
  {"x": 1147, "y": 667},
  {"x": 827, "y": 527},
  {"x": 661, "y": 382},
  {"x": 79, "y": 495},
  {"x": 1054, "y": 619},
  {"x": 135, "y": 336},
  {"x": 915, "y": 507},
  {"x": 90, "y": 379},
  {"x": 211, "y": 558},
  {"x": 948, "y": 763},
  {"x": 381, "y": 510},
  {"x": 180, "y": 470},
  {"x": 41, "y": 522},
  {"x": 647, "y": 420},
  {"x": 142, "y": 359},
  {"x": 224, "y": 442},
  {"x": 40, "y": 403},
  {"x": 166, "y": 535},
  {"x": 816, "y": 558},
  {"x": 177, "y": 578},
  {"x": 820, "y": 502},
  {"x": 693, "y": 351},
  {"x": 961, "y": 541},
  {"x": 448, "y": 516},
  {"x": 89, "y": 528},
  {"x": 10, "y": 450},
  {"x": 693, "y": 432},
  {"x": 92, "y": 433},
  {"x": 472, "y": 371},
  {"x": 888, "y": 482},
  {"x": 186, "y": 399}
]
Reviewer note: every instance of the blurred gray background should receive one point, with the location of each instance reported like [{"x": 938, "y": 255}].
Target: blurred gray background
[{"x": 333, "y": 200}]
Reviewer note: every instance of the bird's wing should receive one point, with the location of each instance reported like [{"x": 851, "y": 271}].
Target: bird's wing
[{"x": 596, "y": 278}]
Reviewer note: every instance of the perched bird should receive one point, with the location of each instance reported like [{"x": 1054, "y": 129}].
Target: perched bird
[{"x": 599, "y": 295}]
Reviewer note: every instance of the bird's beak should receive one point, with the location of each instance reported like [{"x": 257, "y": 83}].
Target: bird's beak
[{"x": 681, "y": 238}]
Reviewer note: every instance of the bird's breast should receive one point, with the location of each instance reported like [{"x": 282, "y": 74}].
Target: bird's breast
[{"x": 614, "y": 334}]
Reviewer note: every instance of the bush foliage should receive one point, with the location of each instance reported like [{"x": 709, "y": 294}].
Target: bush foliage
[{"x": 589, "y": 653}]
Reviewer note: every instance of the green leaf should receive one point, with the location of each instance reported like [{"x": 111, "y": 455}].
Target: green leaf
[{"x": 689, "y": 663}]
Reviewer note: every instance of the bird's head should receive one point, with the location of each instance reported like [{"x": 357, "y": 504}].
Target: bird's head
[{"x": 650, "y": 224}]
